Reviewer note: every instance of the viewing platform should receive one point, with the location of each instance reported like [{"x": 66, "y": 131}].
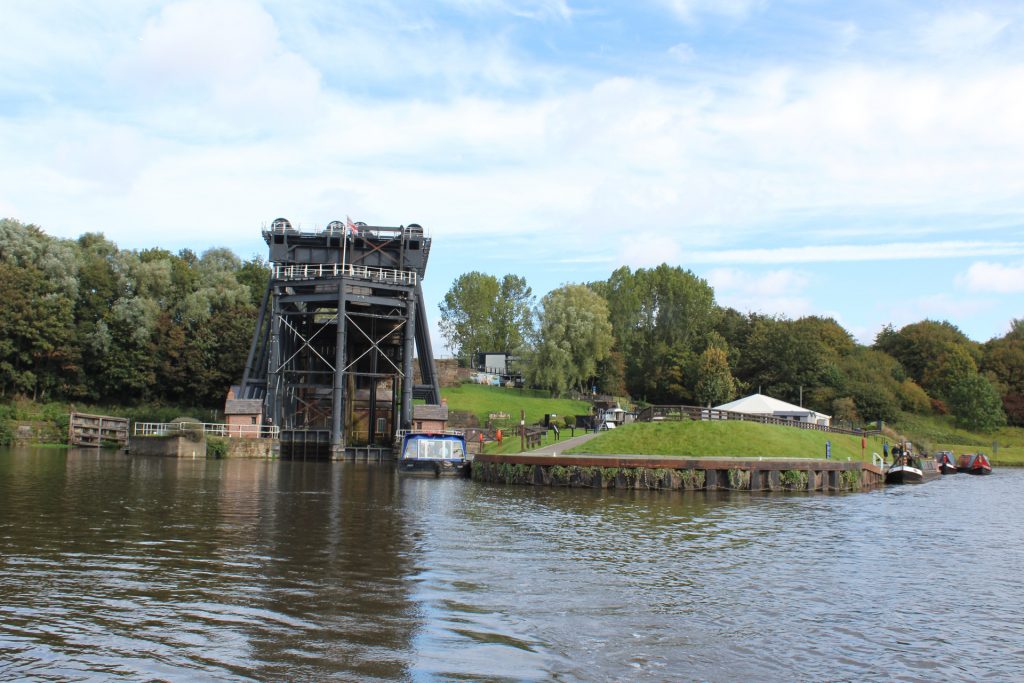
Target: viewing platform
[{"x": 315, "y": 271}]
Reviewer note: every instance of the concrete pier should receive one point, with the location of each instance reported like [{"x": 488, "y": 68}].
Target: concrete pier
[{"x": 678, "y": 473}]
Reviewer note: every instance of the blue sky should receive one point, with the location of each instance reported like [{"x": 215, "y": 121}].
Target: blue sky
[{"x": 858, "y": 160}]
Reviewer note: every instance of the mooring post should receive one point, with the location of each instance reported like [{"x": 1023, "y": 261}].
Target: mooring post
[{"x": 522, "y": 431}]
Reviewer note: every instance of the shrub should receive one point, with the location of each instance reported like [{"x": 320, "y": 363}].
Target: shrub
[{"x": 216, "y": 447}]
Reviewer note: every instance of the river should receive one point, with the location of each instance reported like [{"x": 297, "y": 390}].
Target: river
[{"x": 114, "y": 567}]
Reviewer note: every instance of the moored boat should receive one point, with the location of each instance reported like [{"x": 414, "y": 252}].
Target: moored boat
[
  {"x": 946, "y": 462},
  {"x": 910, "y": 469},
  {"x": 433, "y": 454},
  {"x": 974, "y": 463}
]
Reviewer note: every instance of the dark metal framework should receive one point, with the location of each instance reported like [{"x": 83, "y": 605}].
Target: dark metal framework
[{"x": 341, "y": 321}]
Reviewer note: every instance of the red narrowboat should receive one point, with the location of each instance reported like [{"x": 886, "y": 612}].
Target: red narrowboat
[
  {"x": 974, "y": 463},
  {"x": 947, "y": 462}
]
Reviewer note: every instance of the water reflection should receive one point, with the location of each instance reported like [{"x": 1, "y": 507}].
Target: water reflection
[{"x": 113, "y": 566}]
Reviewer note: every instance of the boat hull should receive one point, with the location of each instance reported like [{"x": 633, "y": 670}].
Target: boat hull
[
  {"x": 907, "y": 474},
  {"x": 974, "y": 463},
  {"x": 948, "y": 469},
  {"x": 900, "y": 474},
  {"x": 433, "y": 468}
]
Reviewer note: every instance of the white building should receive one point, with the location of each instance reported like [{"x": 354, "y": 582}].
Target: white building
[{"x": 759, "y": 404}]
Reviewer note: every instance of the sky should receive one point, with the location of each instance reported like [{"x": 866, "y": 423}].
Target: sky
[{"x": 862, "y": 160}]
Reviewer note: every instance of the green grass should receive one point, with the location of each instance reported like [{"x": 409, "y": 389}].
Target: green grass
[
  {"x": 727, "y": 439},
  {"x": 511, "y": 442},
  {"x": 938, "y": 432},
  {"x": 483, "y": 400}
]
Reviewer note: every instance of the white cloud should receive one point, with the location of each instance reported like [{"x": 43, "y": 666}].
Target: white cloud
[
  {"x": 939, "y": 306},
  {"x": 218, "y": 67},
  {"x": 530, "y": 9},
  {"x": 646, "y": 249},
  {"x": 232, "y": 115},
  {"x": 992, "y": 278},
  {"x": 682, "y": 52},
  {"x": 893, "y": 251},
  {"x": 688, "y": 10},
  {"x": 773, "y": 292},
  {"x": 960, "y": 31}
]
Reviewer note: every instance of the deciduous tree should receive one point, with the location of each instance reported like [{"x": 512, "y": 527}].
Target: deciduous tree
[
  {"x": 715, "y": 383},
  {"x": 574, "y": 336}
]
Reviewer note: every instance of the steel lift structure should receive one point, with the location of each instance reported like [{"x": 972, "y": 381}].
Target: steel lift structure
[{"x": 341, "y": 322}]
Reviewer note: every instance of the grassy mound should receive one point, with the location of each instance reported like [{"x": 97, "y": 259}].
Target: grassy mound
[{"x": 727, "y": 439}]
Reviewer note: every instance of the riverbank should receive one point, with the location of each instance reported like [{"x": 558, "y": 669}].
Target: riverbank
[
  {"x": 746, "y": 439},
  {"x": 648, "y": 472},
  {"x": 26, "y": 422}
]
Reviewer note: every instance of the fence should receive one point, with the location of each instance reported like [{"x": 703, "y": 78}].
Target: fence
[
  {"x": 678, "y": 413},
  {"x": 318, "y": 270},
  {"x": 209, "y": 428}
]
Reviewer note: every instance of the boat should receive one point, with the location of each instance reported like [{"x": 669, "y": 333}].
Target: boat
[
  {"x": 946, "y": 462},
  {"x": 911, "y": 469},
  {"x": 974, "y": 463},
  {"x": 433, "y": 453}
]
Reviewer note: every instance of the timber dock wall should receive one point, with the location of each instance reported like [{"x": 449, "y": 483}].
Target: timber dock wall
[
  {"x": 680, "y": 474},
  {"x": 96, "y": 431}
]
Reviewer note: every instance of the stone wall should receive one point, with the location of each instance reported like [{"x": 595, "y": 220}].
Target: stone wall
[
  {"x": 167, "y": 446},
  {"x": 264, "y": 449},
  {"x": 449, "y": 374},
  {"x": 37, "y": 431}
]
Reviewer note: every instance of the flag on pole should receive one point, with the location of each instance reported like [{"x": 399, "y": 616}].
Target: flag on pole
[{"x": 351, "y": 226}]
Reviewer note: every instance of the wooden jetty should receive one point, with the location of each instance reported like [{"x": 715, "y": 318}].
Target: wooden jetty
[
  {"x": 678, "y": 473},
  {"x": 95, "y": 431}
]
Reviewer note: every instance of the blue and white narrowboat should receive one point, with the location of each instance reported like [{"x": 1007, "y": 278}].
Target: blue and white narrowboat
[{"x": 433, "y": 453}]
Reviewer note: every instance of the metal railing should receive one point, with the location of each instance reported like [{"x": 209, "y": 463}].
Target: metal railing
[
  {"x": 209, "y": 428},
  {"x": 311, "y": 271},
  {"x": 438, "y": 432}
]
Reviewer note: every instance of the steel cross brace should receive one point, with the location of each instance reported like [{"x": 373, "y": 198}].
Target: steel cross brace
[
  {"x": 306, "y": 342},
  {"x": 375, "y": 345}
]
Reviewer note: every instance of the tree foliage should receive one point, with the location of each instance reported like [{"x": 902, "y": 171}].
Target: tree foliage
[
  {"x": 481, "y": 313},
  {"x": 575, "y": 335},
  {"x": 715, "y": 383},
  {"x": 83, "y": 319},
  {"x": 1003, "y": 362},
  {"x": 976, "y": 403},
  {"x": 86, "y": 320},
  {"x": 659, "y": 320}
]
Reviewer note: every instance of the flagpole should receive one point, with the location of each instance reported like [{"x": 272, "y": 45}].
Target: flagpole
[{"x": 344, "y": 246}]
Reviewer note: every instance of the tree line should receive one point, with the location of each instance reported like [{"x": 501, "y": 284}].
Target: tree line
[
  {"x": 658, "y": 336},
  {"x": 83, "y": 320}
]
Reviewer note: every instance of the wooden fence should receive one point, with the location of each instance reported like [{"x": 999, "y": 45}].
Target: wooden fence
[{"x": 679, "y": 413}]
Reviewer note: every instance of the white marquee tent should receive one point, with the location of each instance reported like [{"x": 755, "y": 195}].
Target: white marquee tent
[{"x": 759, "y": 404}]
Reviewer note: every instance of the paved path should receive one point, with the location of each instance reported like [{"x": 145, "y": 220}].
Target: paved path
[{"x": 563, "y": 445}]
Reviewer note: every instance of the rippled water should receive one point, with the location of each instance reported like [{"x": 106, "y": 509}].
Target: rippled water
[{"x": 158, "y": 569}]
